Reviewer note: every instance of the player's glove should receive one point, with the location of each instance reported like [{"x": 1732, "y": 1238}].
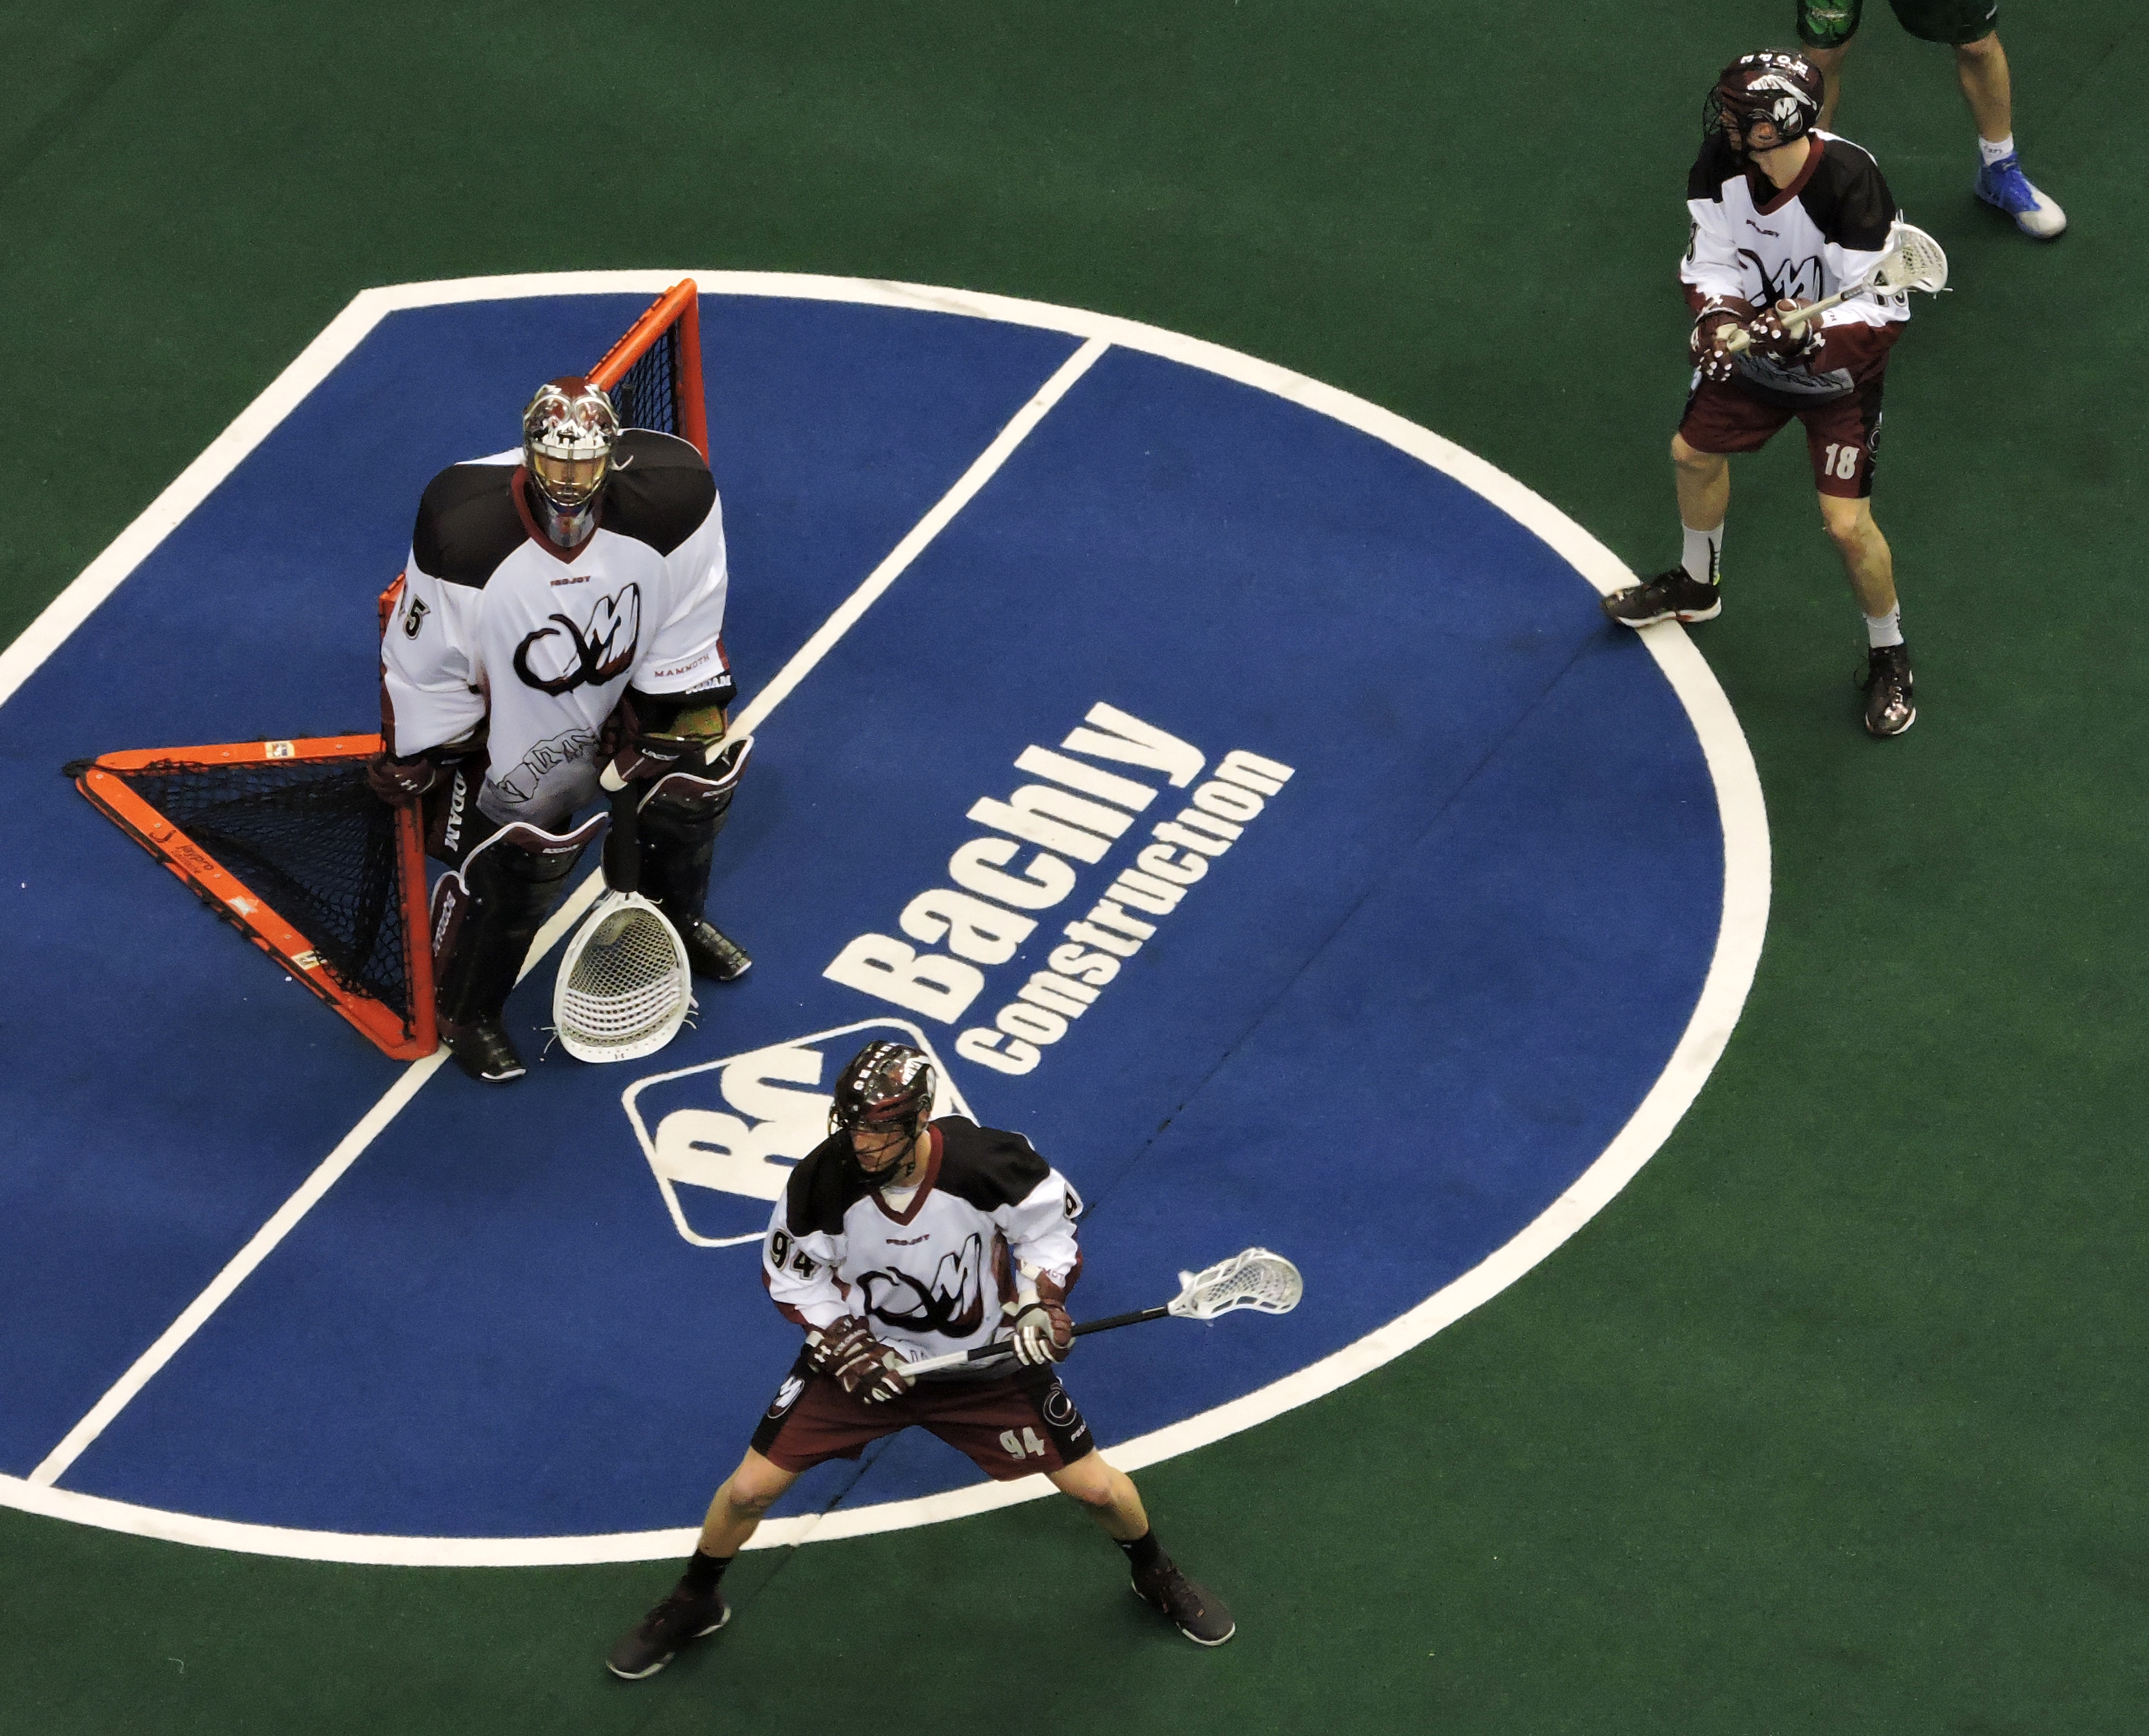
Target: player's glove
[
  {"x": 399, "y": 783},
  {"x": 1719, "y": 317},
  {"x": 1042, "y": 1333},
  {"x": 847, "y": 1351},
  {"x": 826, "y": 1346},
  {"x": 1784, "y": 342}
]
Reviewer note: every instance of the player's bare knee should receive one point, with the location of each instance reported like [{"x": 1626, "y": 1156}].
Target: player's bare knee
[
  {"x": 1700, "y": 466},
  {"x": 750, "y": 1500},
  {"x": 1984, "y": 50}
]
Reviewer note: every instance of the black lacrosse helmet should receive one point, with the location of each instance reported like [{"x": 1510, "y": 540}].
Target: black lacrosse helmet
[
  {"x": 885, "y": 1084},
  {"x": 1772, "y": 93}
]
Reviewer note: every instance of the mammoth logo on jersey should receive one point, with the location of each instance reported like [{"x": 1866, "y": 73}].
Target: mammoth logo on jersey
[
  {"x": 953, "y": 1305},
  {"x": 1794, "y": 280},
  {"x": 601, "y": 649},
  {"x": 721, "y": 1137}
]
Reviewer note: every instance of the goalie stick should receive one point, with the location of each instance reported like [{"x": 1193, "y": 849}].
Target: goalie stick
[
  {"x": 1256, "y": 1279},
  {"x": 1914, "y": 260}
]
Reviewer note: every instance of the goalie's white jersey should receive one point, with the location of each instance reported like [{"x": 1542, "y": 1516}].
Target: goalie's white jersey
[
  {"x": 1753, "y": 242},
  {"x": 497, "y": 624},
  {"x": 935, "y": 1276}
]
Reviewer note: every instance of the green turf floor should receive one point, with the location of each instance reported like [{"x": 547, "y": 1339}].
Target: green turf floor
[{"x": 1835, "y": 1421}]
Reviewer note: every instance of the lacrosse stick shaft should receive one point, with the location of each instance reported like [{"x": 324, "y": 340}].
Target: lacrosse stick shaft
[
  {"x": 1004, "y": 1347},
  {"x": 1740, "y": 341},
  {"x": 622, "y": 848}
]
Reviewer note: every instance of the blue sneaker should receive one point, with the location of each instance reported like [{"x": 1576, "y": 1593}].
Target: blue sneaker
[{"x": 2004, "y": 185}]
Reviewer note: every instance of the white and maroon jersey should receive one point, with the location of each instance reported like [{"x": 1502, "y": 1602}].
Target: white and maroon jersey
[
  {"x": 498, "y": 623},
  {"x": 934, "y": 1274},
  {"x": 1754, "y": 242}
]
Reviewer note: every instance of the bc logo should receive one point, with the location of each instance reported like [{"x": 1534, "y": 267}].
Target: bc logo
[{"x": 733, "y": 1161}]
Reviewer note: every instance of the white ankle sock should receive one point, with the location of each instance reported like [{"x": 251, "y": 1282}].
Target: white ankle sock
[
  {"x": 1884, "y": 629},
  {"x": 1705, "y": 554},
  {"x": 1989, "y": 154}
]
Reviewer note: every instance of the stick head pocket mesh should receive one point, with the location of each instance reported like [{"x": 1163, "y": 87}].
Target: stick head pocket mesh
[
  {"x": 1915, "y": 261},
  {"x": 1255, "y": 1279},
  {"x": 622, "y": 991}
]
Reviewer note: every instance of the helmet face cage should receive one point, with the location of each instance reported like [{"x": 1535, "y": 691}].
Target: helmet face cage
[
  {"x": 884, "y": 1086},
  {"x": 1771, "y": 89},
  {"x": 569, "y": 429}
]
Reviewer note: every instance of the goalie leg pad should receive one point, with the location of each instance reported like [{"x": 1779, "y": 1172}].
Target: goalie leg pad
[
  {"x": 485, "y": 914},
  {"x": 680, "y": 819}
]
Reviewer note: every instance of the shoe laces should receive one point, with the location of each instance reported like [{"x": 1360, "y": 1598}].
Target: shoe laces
[{"x": 1168, "y": 1588}]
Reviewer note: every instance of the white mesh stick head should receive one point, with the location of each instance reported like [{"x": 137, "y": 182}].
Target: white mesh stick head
[
  {"x": 1914, "y": 261},
  {"x": 1255, "y": 1279},
  {"x": 623, "y": 988}
]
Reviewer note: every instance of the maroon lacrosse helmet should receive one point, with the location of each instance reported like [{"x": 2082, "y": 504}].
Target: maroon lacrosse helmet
[
  {"x": 885, "y": 1084},
  {"x": 1768, "y": 98}
]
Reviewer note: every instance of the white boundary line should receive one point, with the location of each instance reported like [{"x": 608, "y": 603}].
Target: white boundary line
[{"x": 1739, "y": 805}]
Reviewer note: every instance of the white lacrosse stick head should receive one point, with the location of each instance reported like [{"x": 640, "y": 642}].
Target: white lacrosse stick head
[
  {"x": 1914, "y": 261},
  {"x": 623, "y": 989},
  {"x": 1255, "y": 1279}
]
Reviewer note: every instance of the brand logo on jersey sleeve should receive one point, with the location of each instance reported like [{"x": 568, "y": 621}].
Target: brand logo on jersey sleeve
[{"x": 721, "y": 1137}]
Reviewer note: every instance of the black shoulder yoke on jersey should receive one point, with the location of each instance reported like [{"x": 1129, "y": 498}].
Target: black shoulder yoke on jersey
[
  {"x": 982, "y": 1165},
  {"x": 1844, "y": 194},
  {"x": 660, "y": 492},
  {"x": 1847, "y": 197},
  {"x": 467, "y": 524}
]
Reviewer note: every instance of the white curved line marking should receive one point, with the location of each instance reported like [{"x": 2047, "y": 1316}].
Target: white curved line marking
[{"x": 1739, "y": 808}]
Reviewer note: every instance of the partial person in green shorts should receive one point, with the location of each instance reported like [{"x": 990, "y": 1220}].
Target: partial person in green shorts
[{"x": 1968, "y": 26}]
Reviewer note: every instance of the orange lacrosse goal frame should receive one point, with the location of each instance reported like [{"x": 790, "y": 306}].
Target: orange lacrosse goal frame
[
  {"x": 117, "y": 784},
  {"x": 654, "y": 375}
]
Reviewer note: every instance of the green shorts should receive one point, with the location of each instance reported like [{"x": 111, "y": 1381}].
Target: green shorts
[{"x": 1831, "y": 23}]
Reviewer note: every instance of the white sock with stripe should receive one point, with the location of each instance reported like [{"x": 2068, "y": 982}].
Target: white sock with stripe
[
  {"x": 1704, "y": 553},
  {"x": 1884, "y": 629}
]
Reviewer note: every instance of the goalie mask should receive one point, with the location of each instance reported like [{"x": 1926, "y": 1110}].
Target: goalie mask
[
  {"x": 884, "y": 1085},
  {"x": 1768, "y": 99},
  {"x": 568, "y": 432}
]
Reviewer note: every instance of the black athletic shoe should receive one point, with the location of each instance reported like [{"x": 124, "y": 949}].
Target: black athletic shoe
[
  {"x": 1673, "y": 595},
  {"x": 712, "y": 952},
  {"x": 658, "y": 1635},
  {"x": 482, "y": 1050},
  {"x": 1889, "y": 710},
  {"x": 1186, "y": 1603}
]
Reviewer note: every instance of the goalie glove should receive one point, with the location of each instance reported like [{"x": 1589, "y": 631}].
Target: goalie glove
[
  {"x": 1782, "y": 343},
  {"x": 1043, "y": 1332},
  {"x": 399, "y": 783},
  {"x": 633, "y": 755},
  {"x": 1719, "y": 316}
]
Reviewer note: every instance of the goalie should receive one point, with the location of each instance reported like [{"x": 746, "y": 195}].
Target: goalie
[
  {"x": 900, "y": 1238},
  {"x": 562, "y": 610}
]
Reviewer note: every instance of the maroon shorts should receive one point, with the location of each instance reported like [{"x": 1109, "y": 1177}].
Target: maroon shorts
[
  {"x": 1843, "y": 434},
  {"x": 1009, "y": 1424}
]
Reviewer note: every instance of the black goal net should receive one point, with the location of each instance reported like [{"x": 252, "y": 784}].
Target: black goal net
[{"x": 286, "y": 841}]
